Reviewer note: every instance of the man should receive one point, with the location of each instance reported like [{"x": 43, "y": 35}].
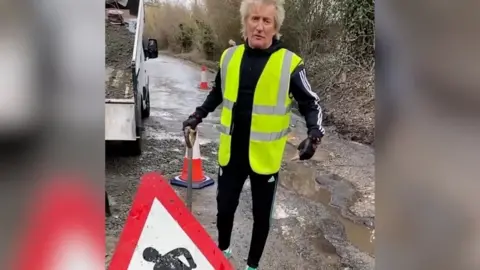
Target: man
[{"x": 256, "y": 83}]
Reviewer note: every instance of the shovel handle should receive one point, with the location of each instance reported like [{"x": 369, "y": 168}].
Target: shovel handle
[{"x": 190, "y": 135}]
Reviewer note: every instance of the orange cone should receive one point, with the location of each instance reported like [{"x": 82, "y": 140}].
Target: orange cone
[
  {"x": 199, "y": 179},
  {"x": 203, "y": 79}
]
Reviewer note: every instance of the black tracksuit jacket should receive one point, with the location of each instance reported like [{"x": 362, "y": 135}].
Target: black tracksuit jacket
[{"x": 252, "y": 65}]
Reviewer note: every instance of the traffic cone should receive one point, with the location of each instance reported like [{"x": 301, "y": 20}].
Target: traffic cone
[
  {"x": 199, "y": 179},
  {"x": 203, "y": 79}
]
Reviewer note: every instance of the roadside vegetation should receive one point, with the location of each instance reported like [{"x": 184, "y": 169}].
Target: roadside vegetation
[{"x": 336, "y": 40}]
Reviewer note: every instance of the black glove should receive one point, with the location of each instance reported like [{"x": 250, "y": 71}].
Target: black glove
[
  {"x": 192, "y": 121},
  {"x": 306, "y": 149},
  {"x": 316, "y": 136}
]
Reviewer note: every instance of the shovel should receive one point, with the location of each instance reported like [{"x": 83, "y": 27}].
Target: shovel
[{"x": 190, "y": 136}]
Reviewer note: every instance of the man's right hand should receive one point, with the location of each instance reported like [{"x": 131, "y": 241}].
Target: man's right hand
[{"x": 192, "y": 121}]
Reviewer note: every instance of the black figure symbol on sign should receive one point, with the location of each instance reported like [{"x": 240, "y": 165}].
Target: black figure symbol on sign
[{"x": 170, "y": 260}]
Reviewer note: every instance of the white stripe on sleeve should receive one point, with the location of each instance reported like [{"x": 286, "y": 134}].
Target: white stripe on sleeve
[{"x": 308, "y": 88}]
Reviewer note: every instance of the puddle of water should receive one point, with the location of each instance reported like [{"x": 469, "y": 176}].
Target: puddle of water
[
  {"x": 162, "y": 135},
  {"x": 162, "y": 114},
  {"x": 301, "y": 179}
]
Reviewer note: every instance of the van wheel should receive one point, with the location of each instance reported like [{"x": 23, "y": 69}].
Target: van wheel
[
  {"x": 146, "y": 110},
  {"x": 108, "y": 211}
]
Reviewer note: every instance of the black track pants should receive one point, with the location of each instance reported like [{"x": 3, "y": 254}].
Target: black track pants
[{"x": 230, "y": 183}]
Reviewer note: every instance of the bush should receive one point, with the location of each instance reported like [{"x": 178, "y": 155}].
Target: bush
[
  {"x": 185, "y": 37},
  {"x": 358, "y": 39}
]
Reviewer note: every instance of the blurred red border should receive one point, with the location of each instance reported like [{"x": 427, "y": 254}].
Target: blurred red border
[{"x": 63, "y": 208}]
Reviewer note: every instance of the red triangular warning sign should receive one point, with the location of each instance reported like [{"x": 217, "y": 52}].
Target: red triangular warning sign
[
  {"x": 65, "y": 229},
  {"x": 160, "y": 231}
]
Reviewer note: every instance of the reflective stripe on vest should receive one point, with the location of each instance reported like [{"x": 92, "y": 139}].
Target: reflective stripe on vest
[{"x": 279, "y": 109}]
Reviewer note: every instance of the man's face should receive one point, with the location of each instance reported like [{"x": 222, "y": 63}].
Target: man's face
[{"x": 260, "y": 26}]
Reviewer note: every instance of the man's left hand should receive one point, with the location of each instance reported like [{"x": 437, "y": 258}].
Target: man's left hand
[
  {"x": 316, "y": 136},
  {"x": 307, "y": 147}
]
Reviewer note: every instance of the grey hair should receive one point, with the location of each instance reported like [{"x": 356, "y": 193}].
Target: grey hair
[{"x": 279, "y": 16}]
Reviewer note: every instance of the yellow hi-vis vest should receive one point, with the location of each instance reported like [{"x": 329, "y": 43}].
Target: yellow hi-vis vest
[{"x": 271, "y": 108}]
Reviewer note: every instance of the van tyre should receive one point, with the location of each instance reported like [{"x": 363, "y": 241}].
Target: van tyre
[
  {"x": 108, "y": 211},
  {"x": 146, "y": 110},
  {"x": 133, "y": 148}
]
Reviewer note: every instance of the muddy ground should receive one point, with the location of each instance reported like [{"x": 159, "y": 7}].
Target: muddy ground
[{"x": 324, "y": 212}]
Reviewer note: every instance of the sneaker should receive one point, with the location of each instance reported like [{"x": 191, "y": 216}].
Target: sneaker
[
  {"x": 250, "y": 268},
  {"x": 228, "y": 253}
]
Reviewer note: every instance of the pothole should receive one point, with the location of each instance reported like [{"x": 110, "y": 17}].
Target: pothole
[{"x": 304, "y": 180}]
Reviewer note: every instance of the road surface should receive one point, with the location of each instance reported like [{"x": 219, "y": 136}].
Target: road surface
[{"x": 324, "y": 210}]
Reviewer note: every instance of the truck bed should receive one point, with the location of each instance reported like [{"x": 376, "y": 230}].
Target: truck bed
[
  {"x": 118, "y": 59},
  {"x": 118, "y": 83}
]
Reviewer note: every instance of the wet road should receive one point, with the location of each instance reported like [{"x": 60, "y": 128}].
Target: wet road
[{"x": 324, "y": 208}]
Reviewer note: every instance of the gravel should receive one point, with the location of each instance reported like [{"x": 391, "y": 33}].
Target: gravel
[
  {"x": 118, "y": 58},
  {"x": 119, "y": 46}
]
